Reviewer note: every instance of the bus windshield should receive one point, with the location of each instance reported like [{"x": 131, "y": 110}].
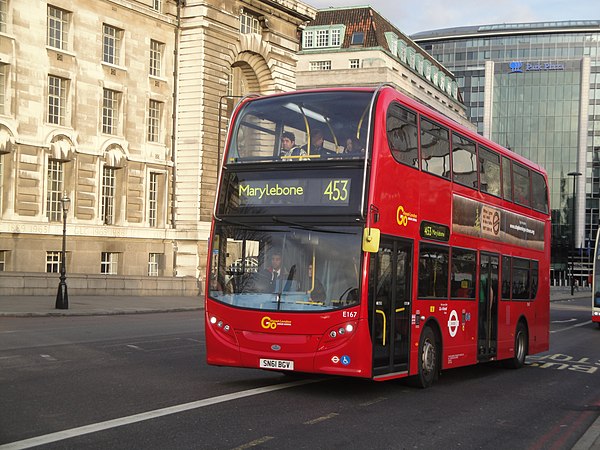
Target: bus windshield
[
  {"x": 304, "y": 127},
  {"x": 285, "y": 268}
]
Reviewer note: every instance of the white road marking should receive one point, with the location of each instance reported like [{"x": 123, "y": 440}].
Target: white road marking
[
  {"x": 254, "y": 443},
  {"x": 573, "y": 326},
  {"x": 100, "y": 426},
  {"x": 48, "y": 358},
  {"x": 564, "y": 321},
  {"x": 134, "y": 346},
  {"x": 372, "y": 402},
  {"x": 321, "y": 419}
]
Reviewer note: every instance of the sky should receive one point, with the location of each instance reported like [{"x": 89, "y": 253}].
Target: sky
[{"x": 412, "y": 16}]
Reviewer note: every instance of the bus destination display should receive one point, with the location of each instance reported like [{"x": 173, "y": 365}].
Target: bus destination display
[{"x": 295, "y": 192}]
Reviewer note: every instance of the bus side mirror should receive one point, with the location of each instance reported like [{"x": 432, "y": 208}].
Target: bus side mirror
[{"x": 370, "y": 242}]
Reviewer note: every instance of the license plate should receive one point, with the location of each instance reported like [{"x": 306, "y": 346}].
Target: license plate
[{"x": 276, "y": 364}]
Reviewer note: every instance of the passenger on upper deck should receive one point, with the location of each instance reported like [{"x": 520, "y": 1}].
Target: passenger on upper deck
[
  {"x": 353, "y": 148},
  {"x": 288, "y": 145},
  {"x": 316, "y": 145}
]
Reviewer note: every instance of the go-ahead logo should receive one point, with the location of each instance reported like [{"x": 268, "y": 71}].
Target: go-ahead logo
[{"x": 268, "y": 323}]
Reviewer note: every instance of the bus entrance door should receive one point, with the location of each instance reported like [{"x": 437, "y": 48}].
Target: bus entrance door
[
  {"x": 488, "y": 306},
  {"x": 389, "y": 305}
]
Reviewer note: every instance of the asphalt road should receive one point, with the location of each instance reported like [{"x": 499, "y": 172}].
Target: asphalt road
[{"x": 140, "y": 381}]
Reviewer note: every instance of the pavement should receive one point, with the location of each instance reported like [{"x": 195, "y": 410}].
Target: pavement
[{"x": 98, "y": 305}]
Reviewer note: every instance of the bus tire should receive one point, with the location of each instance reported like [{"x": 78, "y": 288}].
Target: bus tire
[
  {"x": 429, "y": 358},
  {"x": 521, "y": 348}
]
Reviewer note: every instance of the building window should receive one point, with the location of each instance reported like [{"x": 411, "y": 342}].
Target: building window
[
  {"x": 110, "y": 111},
  {"x": 320, "y": 65},
  {"x": 3, "y": 260},
  {"x": 53, "y": 262},
  {"x": 55, "y": 189},
  {"x": 1, "y": 181},
  {"x": 109, "y": 263},
  {"x": 58, "y": 27},
  {"x": 322, "y": 38},
  {"x": 154, "y": 110},
  {"x": 153, "y": 199},
  {"x": 156, "y": 52},
  {"x": 156, "y": 5},
  {"x": 335, "y": 38},
  {"x": 111, "y": 44},
  {"x": 108, "y": 196},
  {"x": 3, "y": 15},
  {"x": 229, "y": 90},
  {"x": 57, "y": 100},
  {"x": 358, "y": 38},
  {"x": 3, "y": 85},
  {"x": 354, "y": 64},
  {"x": 309, "y": 39},
  {"x": 249, "y": 23},
  {"x": 154, "y": 260}
]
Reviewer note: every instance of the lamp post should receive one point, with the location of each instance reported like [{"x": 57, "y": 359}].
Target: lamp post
[
  {"x": 574, "y": 175},
  {"x": 62, "y": 298}
]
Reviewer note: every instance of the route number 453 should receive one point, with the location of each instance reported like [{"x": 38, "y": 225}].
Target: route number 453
[{"x": 337, "y": 190}]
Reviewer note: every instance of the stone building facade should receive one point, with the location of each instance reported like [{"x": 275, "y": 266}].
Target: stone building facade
[
  {"x": 227, "y": 50},
  {"x": 122, "y": 105}
]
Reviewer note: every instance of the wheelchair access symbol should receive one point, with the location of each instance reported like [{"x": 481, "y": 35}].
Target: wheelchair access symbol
[{"x": 345, "y": 360}]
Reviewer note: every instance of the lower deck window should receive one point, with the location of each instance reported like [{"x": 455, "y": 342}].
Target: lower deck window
[{"x": 433, "y": 271}]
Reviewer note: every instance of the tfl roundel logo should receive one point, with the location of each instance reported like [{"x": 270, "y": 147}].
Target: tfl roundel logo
[{"x": 516, "y": 67}]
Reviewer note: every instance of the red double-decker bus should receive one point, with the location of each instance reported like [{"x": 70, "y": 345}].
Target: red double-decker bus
[{"x": 357, "y": 232}]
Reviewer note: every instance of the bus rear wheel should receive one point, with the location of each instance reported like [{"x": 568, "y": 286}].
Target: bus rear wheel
[
  {"x": 521, "y": 348},
  {"x": 429, "y": 351}
]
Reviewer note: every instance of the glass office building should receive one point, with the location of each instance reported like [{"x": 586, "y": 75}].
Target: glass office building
[{"x": 535, "y": 88}]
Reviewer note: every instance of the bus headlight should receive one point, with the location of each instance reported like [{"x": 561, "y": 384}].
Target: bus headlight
[
  {"x": 223, "y": 329},
  {"x": 337, "y": 335}
]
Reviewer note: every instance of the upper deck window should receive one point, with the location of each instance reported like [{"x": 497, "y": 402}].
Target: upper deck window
[
  {"x": 521, "y": 185},
  {"x": 321, "y": 125},
  {"x": 402, "y": 135},
  {"x": 464, "y": 161},
  {"x": 489, "y": 171},
  {"x": 435, "y": 148},
  {"x": 539, "y": 192},
  {"x": 506, "y": 179}
]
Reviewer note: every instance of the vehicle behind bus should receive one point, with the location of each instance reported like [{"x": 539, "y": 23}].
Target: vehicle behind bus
[{"x": 596, "y": 282}]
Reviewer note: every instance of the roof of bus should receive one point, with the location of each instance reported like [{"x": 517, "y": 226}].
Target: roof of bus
[{"x": 423, "y": 109}]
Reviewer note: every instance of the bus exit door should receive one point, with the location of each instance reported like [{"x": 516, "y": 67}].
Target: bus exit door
[
  {"x": 389, "y": 305},
  {"x": 488, "y": 306}
]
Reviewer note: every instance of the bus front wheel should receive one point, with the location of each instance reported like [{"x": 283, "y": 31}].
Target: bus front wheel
[
  {"x": 521, "y": 348},
  {"x": 429, "y": 356}
]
